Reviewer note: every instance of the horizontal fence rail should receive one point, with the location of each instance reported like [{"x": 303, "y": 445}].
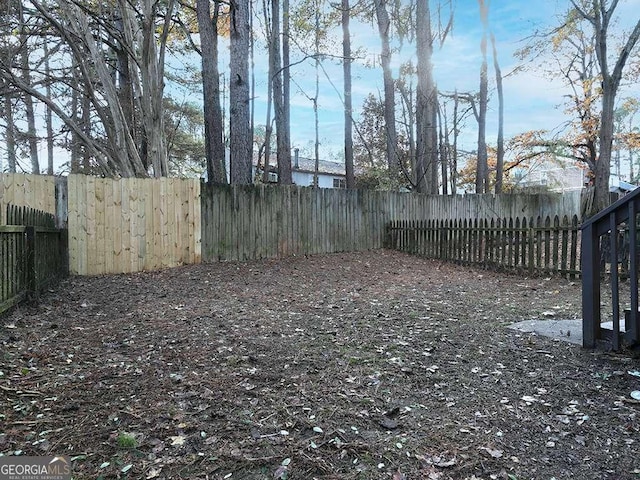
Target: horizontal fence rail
[
  {"x": 549, "y": 245},
  {"x": 31, "y": 256}
]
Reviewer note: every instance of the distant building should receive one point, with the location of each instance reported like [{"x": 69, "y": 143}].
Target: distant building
[
  {"x": 553, "y": 178},
  {"x": 330, "y": 174},
  {"x": 564, "y": 179},
  {"x": 620, "y": 186}
]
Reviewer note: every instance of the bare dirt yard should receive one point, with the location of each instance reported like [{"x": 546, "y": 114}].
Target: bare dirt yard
[{"x": 374, "y": 365}]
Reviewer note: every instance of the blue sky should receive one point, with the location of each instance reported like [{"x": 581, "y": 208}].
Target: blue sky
[{"x": 531, "y": 100}]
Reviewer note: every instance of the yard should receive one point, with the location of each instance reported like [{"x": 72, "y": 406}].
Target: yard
[{"x": 374, "y": 365}]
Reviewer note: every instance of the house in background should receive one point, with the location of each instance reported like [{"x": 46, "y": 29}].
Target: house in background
[
  {"x": 558, "y": 178},
  {"x": 617, "y": 185},
  {"x": 555, "y": 178},
  {"x": 330, "y": 174}
]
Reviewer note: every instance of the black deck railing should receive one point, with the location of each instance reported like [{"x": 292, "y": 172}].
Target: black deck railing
[{"x": 610, "y": 255}]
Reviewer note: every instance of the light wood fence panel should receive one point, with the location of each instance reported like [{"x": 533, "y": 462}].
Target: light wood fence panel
[
  {"x": 34, "y": 191},
  {"x": 130, "y": 225}
]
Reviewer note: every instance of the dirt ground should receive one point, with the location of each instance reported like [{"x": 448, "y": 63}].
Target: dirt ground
[{"x": 372, "y": 365}]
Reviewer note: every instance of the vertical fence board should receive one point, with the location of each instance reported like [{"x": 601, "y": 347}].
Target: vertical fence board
[{"x": 555, "y": 249}]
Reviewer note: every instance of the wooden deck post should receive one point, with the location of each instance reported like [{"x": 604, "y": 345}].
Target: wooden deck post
[{"x": 590, "y": 260}]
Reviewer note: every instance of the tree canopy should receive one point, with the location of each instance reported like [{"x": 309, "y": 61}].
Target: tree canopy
[{"x": 149, "y": 88}]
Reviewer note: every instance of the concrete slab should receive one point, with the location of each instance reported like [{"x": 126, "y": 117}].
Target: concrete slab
[{"x": 566, "y": 330}]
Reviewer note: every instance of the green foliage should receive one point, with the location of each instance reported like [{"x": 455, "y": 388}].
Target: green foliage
[
  {"x": 379, "y": 178},
  {"x": 184, "y": 127},
  {"x": 303, "y": 25},
  {"x": 370, "y": 150},
  {"x": 126, "y": 440}
]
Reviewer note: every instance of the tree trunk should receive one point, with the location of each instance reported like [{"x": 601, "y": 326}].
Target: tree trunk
[
  {"x": 348, "y": 106},
  {"x": 603, "y": 165},
  {"x": 144, "y": 40},
  {"x": 483, "y": 170},
  {"x": 268, "y": 123},
  {"x": 316, "y": 170},
  {"x": 239, "y": 122},
  {"x": 10, "y": 132},
  {"x": 286, "y": 93},
  {"x": 454, "y": 153},
  {"x": 482, "y": 173},
  {"x": 73, "y": 137},
  {"x": 444, "y": 162},
  {"x": 434, "y": 161},
  {"x": 409, "y": 119},
  {"x": 252, "y": 69},
  {"x": 152, "y": 76},
  {"x": 86, "y": 130},
  {"x": 316, "y": 143},
  {"x": 283, "y": 150},
  {"x": 214, "y": 145},
  {"x": 427, "y": 136},
  {"x": 124, "y": 82},
  {"x": 384, "y": 25},
  {"x": 600, "y": 18},
  {"x": 500, "y": 145},
  {"x": 32, "y": 134},
  {"x": 47, "y": 112},
  {"x": 122, "y": 157}
]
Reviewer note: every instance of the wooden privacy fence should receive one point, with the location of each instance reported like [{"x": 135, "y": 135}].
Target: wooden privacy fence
[
  {"x": 33, "y": 254},
  {"x": 132, "y": 224},
  {"x": 252, "y": 222},
  {"x": 549, "y": 245},
  {"x": 19, "y": 215},
  {"x": 244, "y": 223}
]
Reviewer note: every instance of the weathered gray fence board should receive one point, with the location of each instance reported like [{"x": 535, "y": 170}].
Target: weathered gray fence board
[{"x": 252, "y": 222}]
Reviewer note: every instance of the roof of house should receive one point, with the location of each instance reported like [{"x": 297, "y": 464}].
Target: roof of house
[
  {"x": 324, "y": 166},
  {"x": 308, "y": 165}
]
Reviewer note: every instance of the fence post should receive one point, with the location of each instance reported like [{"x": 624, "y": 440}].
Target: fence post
[
  {"x": 62, "y": 202},
  {"x": 63, "y": 252},
  {"x": 31, "y": 269},
  {"x": 386, "y": 242}
]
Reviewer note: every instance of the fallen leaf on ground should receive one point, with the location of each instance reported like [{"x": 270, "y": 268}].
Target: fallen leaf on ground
[
  {"x": 177, "y": 440},
  {"x": 493, "y": 452}
]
